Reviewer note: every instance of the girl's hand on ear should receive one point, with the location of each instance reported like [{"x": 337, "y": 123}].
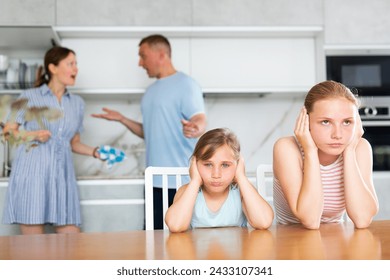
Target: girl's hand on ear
[
  {"x": 302, "y": 131},
  {"x": 358, "y": 133},
  {"x": 240, "y": 170},
  {"x": 194, "y": 173}
]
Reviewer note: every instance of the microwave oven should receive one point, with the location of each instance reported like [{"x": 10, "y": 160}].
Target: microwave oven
[{"x": 366, "y": 75}]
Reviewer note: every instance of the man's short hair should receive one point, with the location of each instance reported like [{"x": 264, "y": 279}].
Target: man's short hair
[{"x": 157, "y": 40}]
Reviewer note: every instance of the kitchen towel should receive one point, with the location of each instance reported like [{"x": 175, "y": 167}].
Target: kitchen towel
[{"x": 111, "y": 155}]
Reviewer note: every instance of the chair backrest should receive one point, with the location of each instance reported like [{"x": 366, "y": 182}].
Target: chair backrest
[
  {"x": 264, "y": 182},
  {"x": 150, "y": 173}
]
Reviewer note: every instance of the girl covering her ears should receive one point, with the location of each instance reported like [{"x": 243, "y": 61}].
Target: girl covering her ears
[
  {"x": 219, "y": 194},
  {"x": 326, "y": 169}
]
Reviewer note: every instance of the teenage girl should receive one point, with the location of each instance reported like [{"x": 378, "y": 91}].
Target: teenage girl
[{"x": 326, "y": 169}]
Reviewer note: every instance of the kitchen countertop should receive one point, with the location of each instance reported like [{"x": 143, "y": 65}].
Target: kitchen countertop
[{"x": 103, "y": 177}]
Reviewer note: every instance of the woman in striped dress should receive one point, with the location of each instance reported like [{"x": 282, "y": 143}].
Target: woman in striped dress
[
  {"x": 42, "y": 186},
  {"x": 326, "y": 169}
]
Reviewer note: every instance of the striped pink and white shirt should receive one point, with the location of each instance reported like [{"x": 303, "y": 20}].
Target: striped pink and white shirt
[{"x": 332, "y": 177}]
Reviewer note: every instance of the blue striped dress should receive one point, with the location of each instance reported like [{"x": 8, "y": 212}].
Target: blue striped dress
[{"x": 42, "y": 186}]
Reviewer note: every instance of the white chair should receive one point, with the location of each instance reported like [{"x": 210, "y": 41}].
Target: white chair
[
  {"x": 264, "y": 182},
  {"x": 150, "y": 173}
]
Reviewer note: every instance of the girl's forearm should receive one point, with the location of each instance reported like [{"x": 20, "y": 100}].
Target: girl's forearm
[
  {"x": 310, "y": 201},
  {"x": 361, "y": 201},
  {"x": 179, "y": 214},
  {"x": 258, "y": 212}
]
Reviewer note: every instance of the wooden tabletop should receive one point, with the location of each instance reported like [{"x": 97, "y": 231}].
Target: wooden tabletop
[{"x": 331, "y": 241}]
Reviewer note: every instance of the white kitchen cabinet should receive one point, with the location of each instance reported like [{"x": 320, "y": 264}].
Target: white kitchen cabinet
[
  {"x": 232, "y": 60},
  {"x": 106, "y": 205},
  {"x": 247, "y": 64},
  {"x": 112, "y": 66},
  {"x": 23, "y": 44}
]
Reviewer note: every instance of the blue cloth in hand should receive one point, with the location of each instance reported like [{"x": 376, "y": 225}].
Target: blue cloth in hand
[{"x": 111, "y": 155}]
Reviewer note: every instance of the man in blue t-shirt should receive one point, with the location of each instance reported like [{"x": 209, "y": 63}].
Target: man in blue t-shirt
[{"x": 173, "y": 114}]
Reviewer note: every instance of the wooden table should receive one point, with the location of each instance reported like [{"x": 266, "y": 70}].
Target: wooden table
[{"x": 331, "y": 241}]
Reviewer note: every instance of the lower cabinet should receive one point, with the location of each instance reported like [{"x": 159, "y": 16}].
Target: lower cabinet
[
  {"x": 106, "y": 205},
  {"x": 5, "y": 229},
  {"x": 112, "y": 205}
]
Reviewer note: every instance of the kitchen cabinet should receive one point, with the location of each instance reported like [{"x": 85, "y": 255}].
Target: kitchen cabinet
[
  {"x": 189, "y": 12},
  {"x": 366, "y": 24},
  {"x": 27, "y": 13},
  {"x": 106, "y": 205},
  {"x": 247, "y": 64},
  {"x": 5, "y": 229},
  {"x": 123, "y": 13},
  {"x": 232, "y": 60},
  {"x": 27, "y": 40},
  {"x": 382, "y": 188},
  {"x": 21, "y": 44},
  {"x": 257, "y": 12},
  {"x": 112, "y": 205},
  {"x": 113, "y": 65}
]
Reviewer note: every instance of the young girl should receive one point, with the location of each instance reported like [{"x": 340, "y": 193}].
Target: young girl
[
  {"x": 327, "y": 167},
  {"x": 219, "y": 194},
  {"x": 43, "y": 187}
]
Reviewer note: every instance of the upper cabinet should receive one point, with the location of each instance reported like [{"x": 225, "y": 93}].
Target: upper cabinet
[
  {"x": 23, "y": 49},
  {"x": 357, "y": 22},
  {"x": 25, "y": 27},
  {"x": 189, "y": 13},
  {"x": 26, "y": 39},
  {"x": 222, "y": 59},
  {"x": 258, "y": 65},
  {"x": 27, "y": 13}
]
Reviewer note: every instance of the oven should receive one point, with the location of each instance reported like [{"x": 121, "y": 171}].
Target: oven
[{"x": 375, "y": 115}]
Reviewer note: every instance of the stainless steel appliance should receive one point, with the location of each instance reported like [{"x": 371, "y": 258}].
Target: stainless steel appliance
[
  {"x": 369, "y": 74},
  {"x": 375, "y": 115}
]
